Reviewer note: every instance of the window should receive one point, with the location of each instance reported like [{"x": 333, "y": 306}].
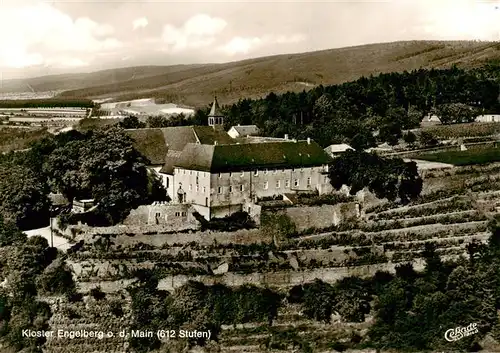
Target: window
[
  {"x": 230, "y": 174},
  {"x": 184, "y": 214},
  {"x": 167, "y": 181},
  {"x": 204, "y": 189},
  {"x": 283, "y": 170},
  {"x": 278, "y": 184},
  {"x": 158, "y": 215},
  {"x": 190, "y": 172},
  {"x": 219, "y": 189},
  {"x": 309, "y": 181},
  {"x": 266, "y": 185},
  {"x": 242, "y": 187},
  {"x": 256, "y": 173},
  {"x": 287, "y": 183},
  {"x": 220, "y": 175},
  {"x": 177, "y": 214},
  {"x": 296, "y": 182},
  {"x": 265, "y": 171},
  {"x": 230, "y": 188},
  {"x": 197, "y": 188},
  {"x": 184, "y": 171}
]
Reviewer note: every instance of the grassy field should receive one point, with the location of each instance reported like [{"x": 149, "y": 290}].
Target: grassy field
[
  {"x": 464, "y": 130},
  {"x": 195, "y": 84},
  {"x": 12, "y": 139},
  {"x": 95, "y": 123},
  {"x": 470, "y": 157}
]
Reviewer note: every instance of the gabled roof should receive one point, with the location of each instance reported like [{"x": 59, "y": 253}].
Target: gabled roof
[
  {"x": 223, "y": 158},
  {"x": 207, "y": 135},
  {"x": 246, "y": 130},
  {"x": 431, "y": 118},
  {"x": 168, "y": 167},
  {"x": 337, "y": 148},
  {"x": 215, "y": 110},
  {"x": 155, "y": 143},
  {"x": 150, "y": 143}
]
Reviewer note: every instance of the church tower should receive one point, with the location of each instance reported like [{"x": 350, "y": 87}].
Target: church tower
[{"x": 215, "y": 117}]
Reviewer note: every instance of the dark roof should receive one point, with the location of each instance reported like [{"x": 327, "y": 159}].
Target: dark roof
[
  {"x": 155, "y": 143},
  {"x": 215, "y": 110},
  {"x": 177, "y": 137},
  {"x": 168, "y": 167},
  {"x": 221, "y": 158},
  {"x": 150, "y": 143},
  {"x": 207, "y": 135},
  {"x": 246, "y": 130}
]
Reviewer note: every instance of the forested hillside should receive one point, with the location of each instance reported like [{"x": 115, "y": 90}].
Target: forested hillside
[
  {"x": 254, "y": 78},
  {"x": 388, "y": 103}
]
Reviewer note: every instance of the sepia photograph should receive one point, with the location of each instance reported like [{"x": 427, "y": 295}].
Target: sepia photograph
[{"x": 249, "y": 176}]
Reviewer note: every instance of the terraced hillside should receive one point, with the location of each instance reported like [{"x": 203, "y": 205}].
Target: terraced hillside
[
  {"x": 196, "y": 84},
  {"x": 453, "y": 210}
]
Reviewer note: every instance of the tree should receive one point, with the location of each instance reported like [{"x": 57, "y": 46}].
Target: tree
[
  {"x": 318, "y": 300},
  {"x": 390, "y": 133},
  {"x": 56, "y": 279},
  {"x": 9, "y": 233},
  {"x": 410, "y": 138},
  {"x": 104, "y": 166},
  {"x": 389, "y": 178},
  {"x": 454, "y": 113},
  {"x": 157, "y": 121},
  {"x": 427, "y": 139},
  {"x": 323, "y": 107},
  {"x": 132, "y": 122},
  {"x": 156, "y": 191},
  {"x": 363, "y": 140},
  {"x": 23, "y": 196}
]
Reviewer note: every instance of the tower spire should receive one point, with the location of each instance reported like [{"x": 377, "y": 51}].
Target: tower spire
[{"x": 215, "y": 117}]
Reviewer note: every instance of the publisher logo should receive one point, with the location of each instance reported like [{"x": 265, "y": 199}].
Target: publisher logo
[{"x": 457, "y": 333}]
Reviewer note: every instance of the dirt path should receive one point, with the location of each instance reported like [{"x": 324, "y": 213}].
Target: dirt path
[{"x": 59, "y": 242}]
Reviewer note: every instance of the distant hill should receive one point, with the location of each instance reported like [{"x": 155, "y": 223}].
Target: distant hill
[{"x": 196, "y": 84}]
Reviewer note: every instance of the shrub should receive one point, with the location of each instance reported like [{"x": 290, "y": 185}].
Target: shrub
[
  {"x": 56, "y": 279},
  {"x": 97, "y": 293}
]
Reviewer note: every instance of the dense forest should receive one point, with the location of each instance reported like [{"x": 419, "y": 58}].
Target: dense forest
[{"x": 387, "y": 103}]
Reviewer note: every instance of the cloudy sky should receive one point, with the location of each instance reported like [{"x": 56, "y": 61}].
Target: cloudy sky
[{"x": 86, "y": 35}]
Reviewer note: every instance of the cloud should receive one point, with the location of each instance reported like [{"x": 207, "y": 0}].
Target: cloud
[
  {"x": 140, "y": 23},
  {"x": 197, "y": 32},
  {"x": 38, "y": 33},
  {"x": 244, "y": 45},
  {"x": 462, "y": 19}
]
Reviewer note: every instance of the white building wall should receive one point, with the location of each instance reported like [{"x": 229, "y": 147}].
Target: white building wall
[
  {"x": 488, "y": 118},
  {"x": 233, "y": 133},
  {"x": 221, "y": 194},
  {"x": 226, "y": 187},
  {"x": 196, "y": 185}
]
